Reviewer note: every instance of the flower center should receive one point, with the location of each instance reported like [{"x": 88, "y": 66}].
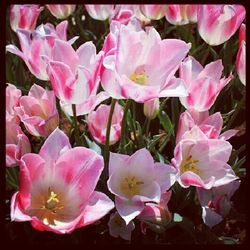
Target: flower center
[
  {"x": 131, "y": 185},
  {"x": 189, "y": 165},
  {"x": 52, "y": 202},
  {"x": 139, "y": 76}
]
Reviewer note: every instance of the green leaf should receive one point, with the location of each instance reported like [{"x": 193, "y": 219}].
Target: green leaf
[
  {"x": 166, "y": 123},
  {"x": 93, "y": 145}
]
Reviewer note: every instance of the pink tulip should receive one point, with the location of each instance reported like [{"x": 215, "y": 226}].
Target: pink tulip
[
  {"x": 61, "y": 11},
  {"x": 37, "y": 44},
  {"x": 24, "y": 16},
  {"x": 38, "y": 111},
  {"x": 74, "y": 76},
  {"x": 181, "y": 14},
  {"x": 12, "y": 100},
  {"x": 216, "y": 202},
  {"x": 118, "y": 227},
  {"x": 211, "y": 125},
  {"x": 202, "y": 162},
  {"x": 217, "y": 23},
  {"x": 241, "y": 55},
  {"x": 151, "y": 108},
  {"x": 57, "y": 187},
  {"x": 156, "y": 216},
  {"x": 100, "y": 12},
  {"x": 17, "y": 144},
  {"x": 136, "y": 179},
  {"x": 153, "y": 11},
  {"x": 203, "y": 84},
  {"x": 97, "y": 123},
  {"x": 141, "y": 79}
]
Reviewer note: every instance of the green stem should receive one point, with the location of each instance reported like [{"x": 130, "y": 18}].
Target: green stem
[
  {"x": 134, "y": 124},
  {"x": 124, "y": 122},
  {"x": 147, "y": 126},
  {"x": 106, "y": 149},
  {"x": 76, "y": 128},
  {"x": 237, "y": 110},
  {"x": 206, "y": 54}
]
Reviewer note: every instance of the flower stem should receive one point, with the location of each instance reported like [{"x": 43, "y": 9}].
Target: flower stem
[
  {"x": 76, "y": 128},
  {"x": 147, "y": 126},
  {"x": 124, "y": 122},
  {"x": 106, "y": 149},
  {"x": 206, "y": 54}
]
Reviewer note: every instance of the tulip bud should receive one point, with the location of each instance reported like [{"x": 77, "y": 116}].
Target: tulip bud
[
  {"x": 61, "y": 11},
  {"x": 153, "y": 11},
  {"x": 151, "y": 108},
  {"x": 24, "y": 16},
  {"x": 241, "y": 55}
]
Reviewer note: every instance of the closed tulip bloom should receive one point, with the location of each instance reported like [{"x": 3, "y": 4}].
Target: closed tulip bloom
[
  {"x": 57, "y": 187},
  {"x": 37, "y": 44},
  {"x": 142, "y": 78},
  {"x": 136, "y": 179},
  {"x": 203, "y": 84},
  {"x": 211, "y": 125},
  {"x": 241, "y": 55},
  {"x": 202, "y": 162},
  {"x": 97, "y": 123},
  {"x": 118, "y": 227},
  {"x": 100, "y": 12},
  {"x": 74, "y": 76},
  {"x": 61, "y": 11},
  {"x": 216, "y": 202},
  {"x": 17, "y": 144},
  {"x": 153, "y": 11},
  {"x": 24, "y": 16},
  {"x": 38, "y": 111},
  {"x": 151, "y": 108},
  {"x": 156, "y": 216},
  {"x": 181, "y": 14},
  {"x": 12, "y": 100},
  {"x": 217, "y": 23}
]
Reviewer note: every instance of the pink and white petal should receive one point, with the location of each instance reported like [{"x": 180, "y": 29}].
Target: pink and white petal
[
  {"x": 111, "y": 85},
  {"x": 86, "y": 54},
  {"x": 128, "y": 209},
  {"x": 215, "y": 120},
  {"x": 210, "y": 217},
  {"x": 165, "y": 175},
  {"x": 10, "y": 155},
  {"x": 61, "y": 30},
  {"x": 185, "y": 123},
  {"x": 87, "y": 169},
  {"x": 194, "y": 134},
  {"x": 63, "y": 52},
  {"x": 25, "y": 41},
  {"x": 141, "y": 163},
  {"x": 225, "y": 176},
  {"x": 33, "y": 167},
  {"x": 228, "y": 134},
  {"x": 189, "y": 178},
  {"x": 87, "y": 106},
  {"x": 14, "y": 50},
  {"x": 62, "y": 80},
  {"x": 212, "y": 70},
  {"x": 56, "y": 144},
  {"x": 174, "y": 88},
  {"x": 189, "y": 70},
  {"x": 117, "y": 162},
  {"x": 99, "y": 205},
  {"x": 212, "y": 149},
  {"x": 16, "y": 211},
  {"x": 149, "y": 191}
]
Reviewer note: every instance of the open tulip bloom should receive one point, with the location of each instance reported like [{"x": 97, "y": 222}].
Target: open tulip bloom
[
  {"x": 57, "y": 187},
  {"x": 142, "y": 79},
  {"x": 136, "y": 179},
  {"x": 206, "y": 170}
]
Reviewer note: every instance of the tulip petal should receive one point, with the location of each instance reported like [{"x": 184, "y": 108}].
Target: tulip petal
[{"x": 127, "y": 209}]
